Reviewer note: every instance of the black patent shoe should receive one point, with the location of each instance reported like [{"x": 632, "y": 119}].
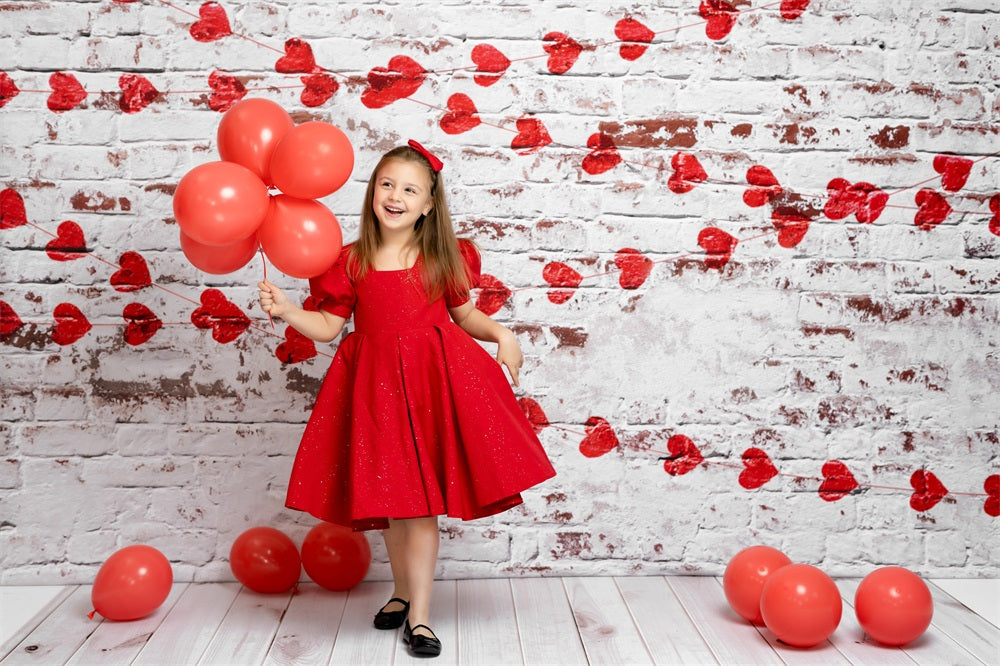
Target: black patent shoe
[
  {"x": 420, "y": 645},
  {"x": 391, "y": 619}
]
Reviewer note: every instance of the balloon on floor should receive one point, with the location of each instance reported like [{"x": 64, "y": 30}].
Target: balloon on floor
[
  {"x": 893, "y": 605},
  {"x": 336, "y": 557},
  {"x": 801, "y": 605},
  {"x": 132, "y": 583},
  {"x": 745, "y": 576},
  {"x": 265, "y": 560}
]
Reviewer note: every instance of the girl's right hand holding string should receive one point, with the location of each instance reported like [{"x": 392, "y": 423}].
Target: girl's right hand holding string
[{"x": 272, "y": 300}]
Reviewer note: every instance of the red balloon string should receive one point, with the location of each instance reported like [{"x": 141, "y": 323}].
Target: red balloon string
[{"x": 264, "y": 261}]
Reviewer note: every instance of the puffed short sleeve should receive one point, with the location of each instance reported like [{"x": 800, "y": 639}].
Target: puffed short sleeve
[
  {"x": 334, "y": 288},
  {"x": 473, "y": 267}
]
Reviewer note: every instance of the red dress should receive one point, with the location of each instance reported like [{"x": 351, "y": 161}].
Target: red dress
[{"x": 414, "y": 418}]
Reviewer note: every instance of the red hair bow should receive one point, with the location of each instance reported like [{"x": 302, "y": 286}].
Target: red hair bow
[{"x": 436, "y": 164}]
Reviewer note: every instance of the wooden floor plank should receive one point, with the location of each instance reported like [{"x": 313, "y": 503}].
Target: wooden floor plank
[
  {"x": 972, "y": 632},
  {"x": 487, "y": 629},
  {"x": 545, "y": 622},
  {"x": 934, "y": 647},
  {"x": 852, "y": 642},
  {"x": 15, "y": 639},
  {"x": 120, "y": 642},
  {"x": 309, "y": 627},
  {"x": 732, "y": 639},
  {"x": 444, "y": 623},
  {"x": 61, "y": 633},
  {"x": 667, "y": 630},
  {"x": 608, "y": 634},
  {"x": 358, "y": 642},
  {"x": 246, "y": 633},
  {"x": 190, "y": 626}
]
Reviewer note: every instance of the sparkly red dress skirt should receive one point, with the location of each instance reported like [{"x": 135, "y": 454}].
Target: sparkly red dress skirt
[{"x": 413, "y": 419}]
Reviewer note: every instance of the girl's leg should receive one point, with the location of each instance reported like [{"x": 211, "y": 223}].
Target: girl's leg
[
  {"x": 395, "y": 544},
  {"x": 421, "y": 557}
]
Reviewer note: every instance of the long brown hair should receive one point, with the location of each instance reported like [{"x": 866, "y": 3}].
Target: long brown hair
[{"x": 441, "y": 265}]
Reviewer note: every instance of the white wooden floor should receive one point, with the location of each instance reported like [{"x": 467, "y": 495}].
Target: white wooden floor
[{"x": 629, "y": 620}]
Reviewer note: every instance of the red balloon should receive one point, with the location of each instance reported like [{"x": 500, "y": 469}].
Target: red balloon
[
  {"x": 249, "y": 132},
  {"x": 745, "y": 577},
  {"x": 219, "y": 259},
  {"x": 301, "y": 237},
  {"x": 220, "y": 203},
  {"x": 801, "y": 605},
  {"x": 313, "y": 160},
  {"x": 894, "y": 605},
  {"x": 132, "y": 583},
  {"x": 265, "y": 560},
  {"x": 336, "y": 557}
]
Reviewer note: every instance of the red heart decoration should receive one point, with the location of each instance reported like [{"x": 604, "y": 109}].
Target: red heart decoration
[
  {"x": 531, "y": 136},
  {"x": 213, "y": 24},
  {"x": 994, "y": 221},
  {"x": 600, "y": 438},
  {"x": 66, "y": 92},
  {"x": 934, "y": 208},
  {"x": 718, "y": 246},
  {"x": 954, "y": 171},
  {"x": 992, "y": 488},
  {"x": 226, "y": 91},
  {"x": 559, "y": 274},
  {"x": 604, "y": 155},
  {"x": 927, "y": 490},
  {"x": 68, "y": 243},
  {"x": 492, "y": 294},
  {"x": 687, "y": 173},
  {"x": 563, "y": 51},
  {"x": 137, "y": 93},
  {"x": 635, "y": 267},
  {"x": 490, "y": 60},
  {"x": 720, "y": 17},
  {"x": 8, "y": 89},
  {"x": 12, "y": 213},
  {"x": 401, "y": 79},
  {"x": 141, "y": 323},
  {"x": 462, "y": 115},
  {"x": 764, "y": 186},
  {"x": 296, "y": 347},
  {"x": 838, "y": 481},
  {"x": 791, "y": 223},
  {"x": 865, "y": 201},
  {"x": 533, "y": 411},
  {"x": 298, "y": 58},
  {"x": 792, "y": 9},
  {"x": 320, "y": 87},
  {"x": 132, "y": 274},
  {"x": 759, "y": 469},
  {"x": 684, "y": 456},
  {"x": 70, "y": 326},
  {"x": 9, "y": 321},
  {"x": 225, "y": 319},
  {"x": 630, "y": 30}
]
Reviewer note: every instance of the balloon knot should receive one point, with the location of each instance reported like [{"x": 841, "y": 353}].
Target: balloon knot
[{"x": 90, "y": 615}]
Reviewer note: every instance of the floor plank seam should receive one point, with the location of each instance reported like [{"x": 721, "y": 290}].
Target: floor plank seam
[{"x": 635, "y": 623}]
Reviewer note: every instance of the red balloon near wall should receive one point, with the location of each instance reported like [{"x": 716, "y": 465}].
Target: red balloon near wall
[
  {"x": 301, "y": 237},
  {"x": 801, "y": 605},
  {"x": 894, "y": 605},
  {"x": 249, "y": 132},
  {"x": 313, "y": 160},
  {"x": 219, "y": 259},
  {"x": 265, "y": 560},
  {"x": 220, "y": 203},
  {"x": 745, "y": 576},
  {"x": 132, "y": 583},
  {"x": 336, "y": 557}
]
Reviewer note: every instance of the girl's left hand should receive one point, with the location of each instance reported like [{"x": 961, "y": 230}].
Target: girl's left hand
[{"x": 509, "y": 354}]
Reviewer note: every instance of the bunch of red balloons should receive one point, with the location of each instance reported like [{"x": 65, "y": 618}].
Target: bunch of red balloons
[
  {"x": 801, "y": 605},
  {"x": 266, "y": 560},
  {"x": 132, "y": 583},
  {"x": 226, "y": 211}
]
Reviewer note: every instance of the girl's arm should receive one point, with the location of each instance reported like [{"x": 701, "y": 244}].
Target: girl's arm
[
  {"x": 320, "y": 326},
  {"x": 480, "y": 326}
]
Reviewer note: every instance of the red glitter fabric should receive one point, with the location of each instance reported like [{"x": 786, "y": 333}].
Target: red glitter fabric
[{"x": 414, "y": 418}]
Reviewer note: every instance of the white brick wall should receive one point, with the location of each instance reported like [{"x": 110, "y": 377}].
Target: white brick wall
[{"x": 876, "y": 345}]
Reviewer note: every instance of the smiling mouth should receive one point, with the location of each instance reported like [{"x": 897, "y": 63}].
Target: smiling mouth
[{"x": 393, "y": 211}]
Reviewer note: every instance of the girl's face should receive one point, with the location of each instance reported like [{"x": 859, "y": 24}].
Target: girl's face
[{"x": 402, "y": 195}]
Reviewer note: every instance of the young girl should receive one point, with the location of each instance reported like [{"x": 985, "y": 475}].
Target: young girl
[{"x": 414, "y": 419}]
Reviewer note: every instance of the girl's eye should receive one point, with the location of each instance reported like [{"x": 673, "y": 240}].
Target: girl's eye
[{"x": 411, "y": 190}]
